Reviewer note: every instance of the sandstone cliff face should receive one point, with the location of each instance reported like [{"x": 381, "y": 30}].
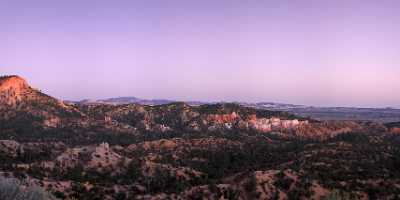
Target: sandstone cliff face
[
  {"x": 13, "y": 89},
  {"x": 272, "y": 124},
  {"x": 222, "y": 118},
  {"x": 12, "y": 82}
]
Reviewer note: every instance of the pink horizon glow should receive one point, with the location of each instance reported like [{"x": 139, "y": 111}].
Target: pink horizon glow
[{"x": 323, "y": 53}]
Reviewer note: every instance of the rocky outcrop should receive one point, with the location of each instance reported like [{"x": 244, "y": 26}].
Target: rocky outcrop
[
  {"x": 91, "y": 157},
  {"x": 272, "y": 124},
  {"x": 13, "y": 89},
  {"x": 20, "y": 102},
  {"x": 14, "y": 83},
  {"x": 222, "y": 118}
]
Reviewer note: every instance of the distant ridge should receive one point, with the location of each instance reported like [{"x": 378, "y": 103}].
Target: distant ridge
[
  {"x": 131, "y": 100},
  {"x": 385, "y": 115}
]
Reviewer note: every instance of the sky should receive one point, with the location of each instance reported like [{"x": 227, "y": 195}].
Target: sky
[{"x": 310, "y": 52}]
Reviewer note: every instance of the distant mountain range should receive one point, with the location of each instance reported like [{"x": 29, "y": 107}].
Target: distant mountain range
[
  {"x": 321, "y": 113},
  {"x": 131, "y": 100},
  {"x": 135, "y": 100},
  {"x": 334, "y": 113}
]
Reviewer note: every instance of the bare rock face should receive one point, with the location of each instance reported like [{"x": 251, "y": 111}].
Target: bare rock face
[
  {"x": 15, "y": 92},
  {"x": 224, "y": 118},
  {"x": 268, "y": 124},
  {"x": 103, "y": 156},
  {"x": 13, "y": 82},
  {"x": 13, "y": 89}
]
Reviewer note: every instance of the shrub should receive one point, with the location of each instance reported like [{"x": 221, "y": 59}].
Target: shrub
[
  {"x": 338, "y": 194},
  {"x": 11, "y": 190}
]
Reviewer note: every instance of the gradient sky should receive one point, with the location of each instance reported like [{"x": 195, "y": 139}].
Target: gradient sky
[{"x": 325, "y": 53}]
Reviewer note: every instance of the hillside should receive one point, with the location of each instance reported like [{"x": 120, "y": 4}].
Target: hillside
[
  {"x": 20, "y": 103},
  {"x": 382, "y": 115},
  {"x": 182, "y": 151}
]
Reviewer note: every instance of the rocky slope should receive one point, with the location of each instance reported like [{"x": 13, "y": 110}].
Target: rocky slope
[
  {"x": 348, "y": 166},
  {"x": 181, "y": 151},
  {"x": 384, "y": 115},
  {"x": 21, "y": 102}
]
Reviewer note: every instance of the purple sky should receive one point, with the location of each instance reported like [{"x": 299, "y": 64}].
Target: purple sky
[{"x": 331, "y": 53}]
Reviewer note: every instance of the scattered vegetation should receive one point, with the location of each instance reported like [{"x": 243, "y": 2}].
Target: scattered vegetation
[
  {"x": 10, "y": 189},
  {"x": 180, "y": 151}
]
